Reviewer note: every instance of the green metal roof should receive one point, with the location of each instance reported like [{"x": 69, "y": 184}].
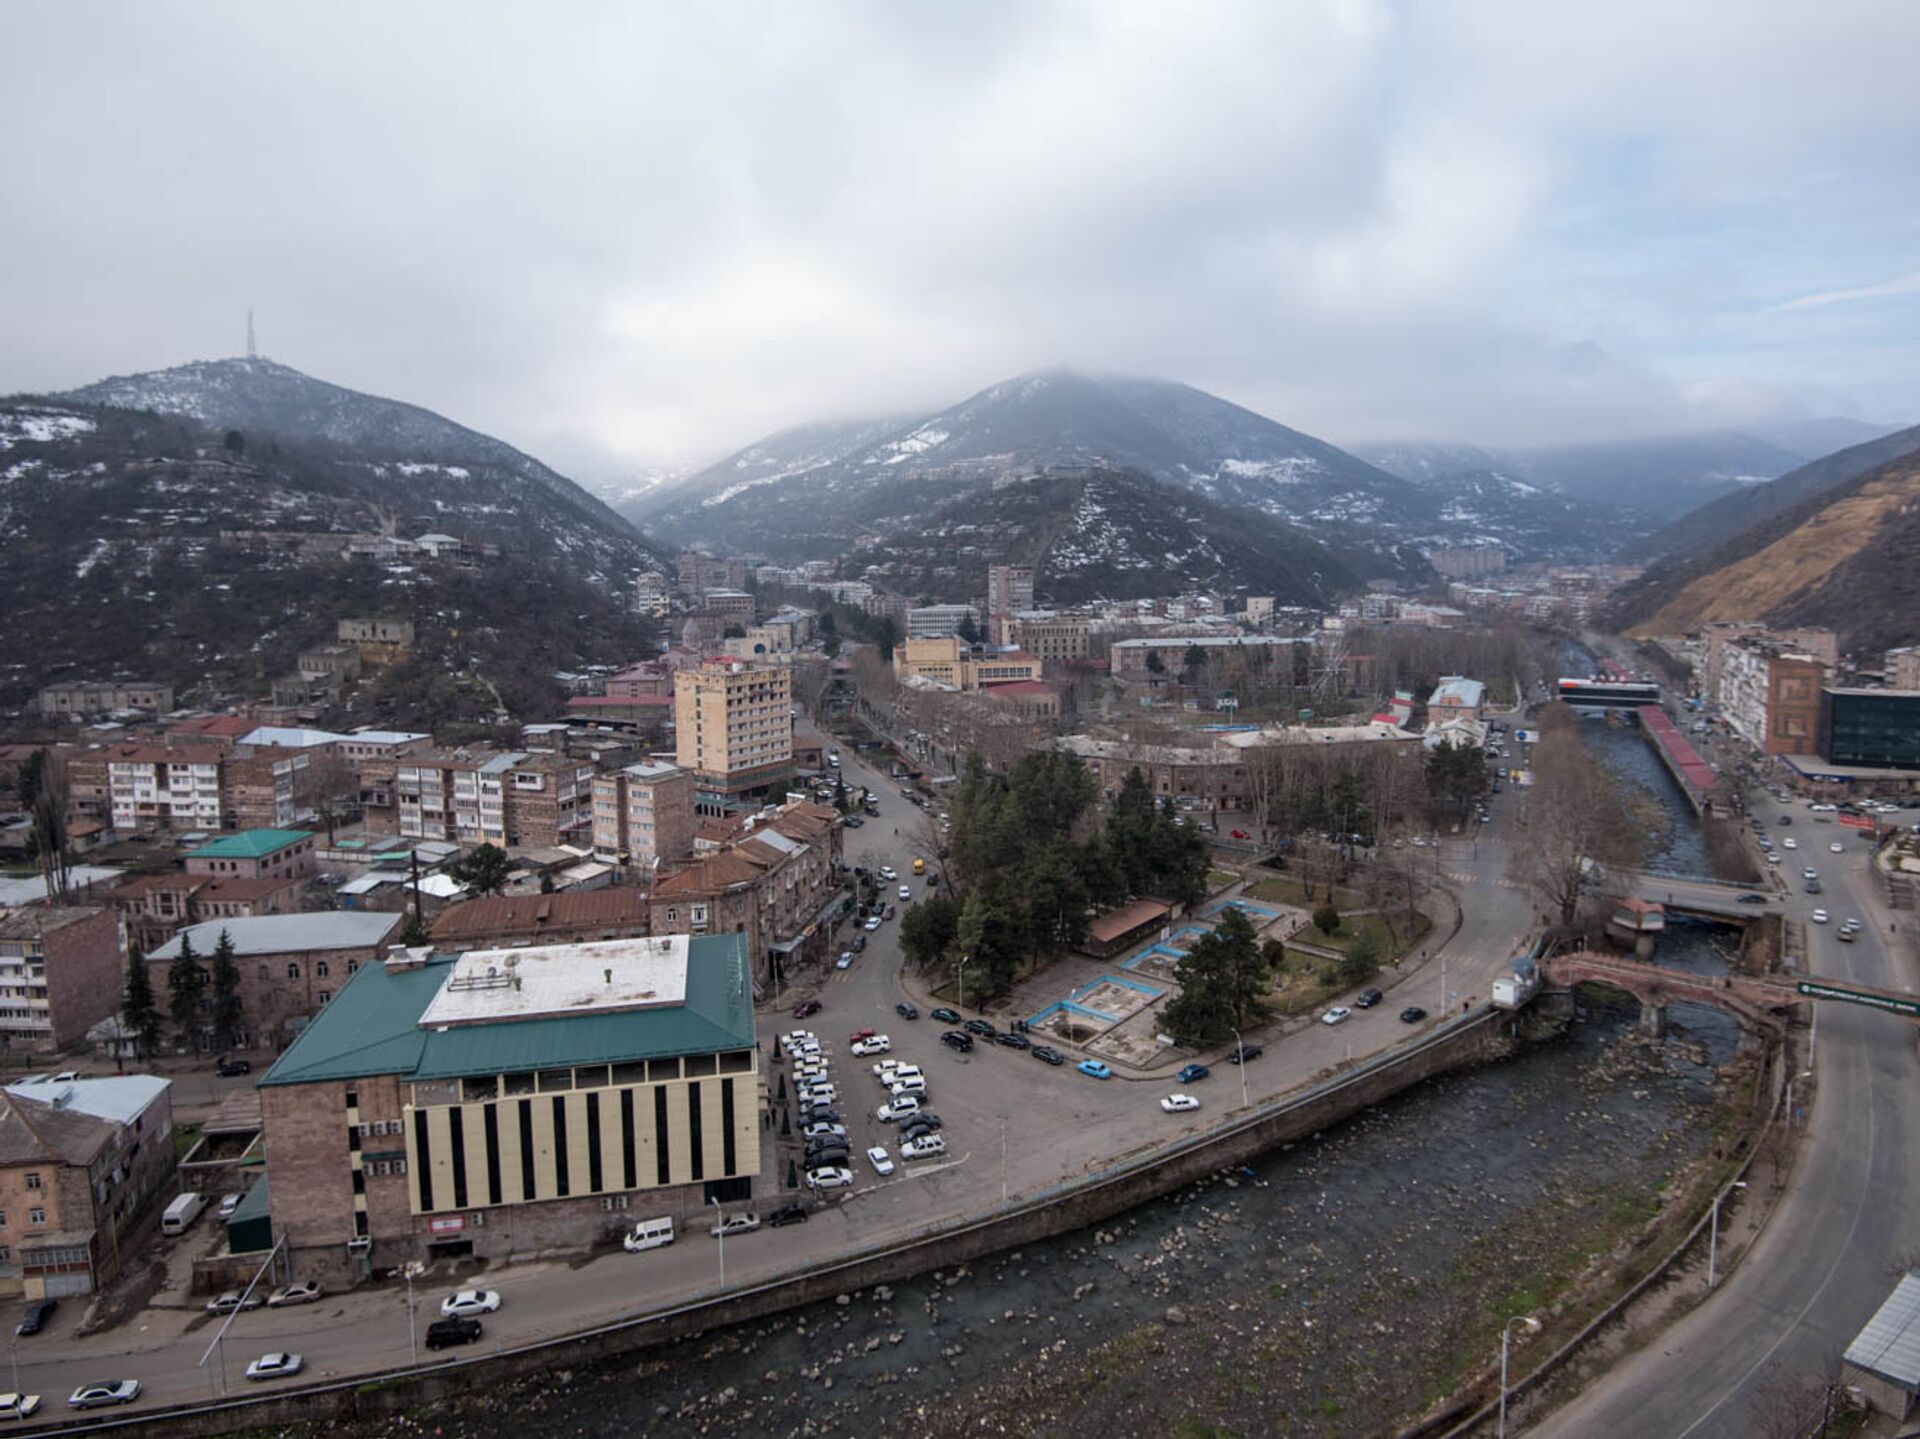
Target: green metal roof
[
  {"x": 372, "y": 1026},
  {"x": 250, "y": 844}
]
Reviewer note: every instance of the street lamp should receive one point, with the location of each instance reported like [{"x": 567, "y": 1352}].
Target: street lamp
[
  {"x": 720, "y": 1237},
  {"x": 412, "y": 1268},
  {"x": 1532, "y": 1326},
  {"x": 1713, "y": 1244},
  {"x": 1240, "y": 1051},
  {"x": 961, "y": 979}
]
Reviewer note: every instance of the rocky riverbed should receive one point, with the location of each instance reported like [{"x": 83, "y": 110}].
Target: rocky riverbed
[{"x": 1332, "y": 1289}]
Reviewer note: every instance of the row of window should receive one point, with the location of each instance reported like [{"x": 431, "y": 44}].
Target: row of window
[
  {"x": 34, "y": 1216},
  {"x": 476, "y": 1088}
]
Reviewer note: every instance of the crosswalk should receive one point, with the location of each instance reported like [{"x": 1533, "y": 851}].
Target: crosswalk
[{"x": 1467, "y": 876}]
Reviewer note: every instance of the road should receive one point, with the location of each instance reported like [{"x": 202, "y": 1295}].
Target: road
[{"x": 1838, "y": 1241}]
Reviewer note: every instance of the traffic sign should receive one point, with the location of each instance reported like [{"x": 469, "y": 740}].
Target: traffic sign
[{"x": 1813, "y": 989}]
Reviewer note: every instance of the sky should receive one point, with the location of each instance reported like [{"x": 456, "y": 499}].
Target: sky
[{"x": 628, "y": 237}]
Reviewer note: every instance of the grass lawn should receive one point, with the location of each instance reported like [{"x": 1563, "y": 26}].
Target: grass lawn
[
  {"x": 185, "y": 1136},
  {"x": 1389, "y": 931},
  {"x": 1219, "y": 879},
  {"x": 1284, "y": 889}
]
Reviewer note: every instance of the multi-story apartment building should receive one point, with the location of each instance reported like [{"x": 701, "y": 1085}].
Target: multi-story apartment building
[
  {"x": 733, "y": 729},
  {"x": 571, "y": 917},
  {"x": 1259, "y": 610},
  {"x": 513, "y": 1102},
  {"x": 643, "y": 814},
  {"x": 1009, "y": 589},
  {"x": 728, "y": 606},
  {"x": 150, "y": 787},
  {"x": 279, "y": 854},
  {"x": 1903, "y": 668},
  {"x": 1130, "y": 658},
  {"x": 380, "y": 641},
  {"x": 699, "y": 574},
  {"x": 515, "y": 798},
  {"x": 290, "y": 965},
  {"x": 649, "y": 679},
  {"x": 1465, "y": 562},
  {"x": 776, "y": 883},
  {"x": 651, "y": 596},
  {"x": 88, "y": 697},
  {"x": 155, "y": 907},
  {"x": 1771, "y": 699},
  {"x": 62, "y": 971},
  {"x": 85, "y": 1167},
  {"x": 1049, "y": 637},
  {"x": 1870, "y": 728}
]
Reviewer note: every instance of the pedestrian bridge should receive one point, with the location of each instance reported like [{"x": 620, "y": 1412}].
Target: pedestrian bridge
[{"x": 1760, "y": 1003}]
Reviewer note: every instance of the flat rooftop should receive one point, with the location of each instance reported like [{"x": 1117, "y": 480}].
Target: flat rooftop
[{"x": 486, "y": 986}]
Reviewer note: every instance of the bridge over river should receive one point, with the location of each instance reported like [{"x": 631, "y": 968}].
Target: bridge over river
[{"x": 1760, "y": 1002}]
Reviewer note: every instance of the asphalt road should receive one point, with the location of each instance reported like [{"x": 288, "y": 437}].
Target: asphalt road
[{"x": 1836, "y": 1245}]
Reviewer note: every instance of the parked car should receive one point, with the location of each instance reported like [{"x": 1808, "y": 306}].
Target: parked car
[
  {"x": 229, "y": 1068},
  {"x": 232, "y": 1302},
  {"x": 1179, "y": 1103},
  {"x": 275, "y": 1366},
  {"x": 820, "y": 1180},
  {"x": 1837, "y": 847},
  {"x": 307, "y": 1291},
  {"x": 981, "y": 1027},
  {"x": 36, "y": 1317},
  {"x": 444, "y": 1332},
  {"x": 1191, "y": 1073},
  {"x": 1339, "y": 1014},
  {"x": 887, "y": 872},
  {"x": 1819, "y": 916},
  {"x": 103, "y": 1392},
  {"x": 1751, "y": 899},
  {"x": 1095, "y": 1068},
  {"x": 954, "y": 1039},
  {"x": 926, "y": 1122},
  {"x": 732, "y": 1224},
  {"x": 229, "y": 1203},
  {"x": 897, "y": 1108},
  {"x": 906, "y": 895},
  {"x": 1013, "y": 1039},
  {"x": 1245, "y": 1054},
  {"x": 787, "y": 1214},
  {"x": 873, "y": 923},
  {"x": 1789, "y": 843},
  {"x": 872, "y": 1044},
  {"x": 824, "y": 1131},
  {"x": 19, "y": 1406},
  {"x": 945, "y": 1016},
  {"x": 469, "y": 1302},
  {"x": 1412, "y": 1014},
  {"x": 845, "y": 961},
  {"x": 1047, "y": 1054},
  {"x": 923, "y": 1147},
  {"x": 906, "y": 1011},
  {"x": 877, "y": 1157},
  {"x": 806, "y": 1008}
]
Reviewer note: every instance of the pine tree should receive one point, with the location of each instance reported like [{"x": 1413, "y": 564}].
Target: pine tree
[
  {"x": 137, "y": 1008},
  {"x": 228, "y": 1016},
  {"x": 184, "y": 983}
]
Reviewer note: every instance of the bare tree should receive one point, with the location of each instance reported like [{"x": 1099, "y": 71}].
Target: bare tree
[
  {"x": 1576, "y": 823},
  {"x": 1798, "y": 1406},
  {"x": 48, "y": 823},
  {"x": 329, "y": 786}
]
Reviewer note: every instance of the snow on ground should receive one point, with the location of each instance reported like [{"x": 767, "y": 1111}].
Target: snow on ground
[
  {"x": 91, "y": 558},
  {"x": 18, "y": 425},
  {"x": 917, "y": 443}
]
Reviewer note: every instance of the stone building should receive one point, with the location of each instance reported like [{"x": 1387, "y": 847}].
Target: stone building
[
  {"x": 571, "y": 917},
  {"x": 643, "y": 814},
  {"x": 62, "y": 971}
]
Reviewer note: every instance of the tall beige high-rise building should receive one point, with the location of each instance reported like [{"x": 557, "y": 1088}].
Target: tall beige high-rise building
[
  {"x": 643, "y": 814},
  {"x": 1009, "y": 588},
  {"x": 733, "y": 728}
]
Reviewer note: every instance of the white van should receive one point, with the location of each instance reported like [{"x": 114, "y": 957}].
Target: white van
[
  {"x": 182, "y": 1212},
  {"x": 649, "y": 1234}
]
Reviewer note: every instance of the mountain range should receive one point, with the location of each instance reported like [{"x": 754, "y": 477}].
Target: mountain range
[
  {"x": 154, "y": 525},
  {"x": 1836, "y": 543}
]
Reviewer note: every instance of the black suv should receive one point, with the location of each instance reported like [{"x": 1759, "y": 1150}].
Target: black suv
[
  {"x": 36, "y": 1317},
  {"x": 906, "y": 1010},
  {"x": 792, "y": 1214},
  {"x": 229, "y": 1068},
  {"x": 980, "y": 1027},
  {"x": 954, "y": 1039},
  {"x": 443, "y": 1332},
  {"x": 1367, "y": 998},
  {"x": 1245, "y": 1054},
  {"x": 917, "y": 1124}
]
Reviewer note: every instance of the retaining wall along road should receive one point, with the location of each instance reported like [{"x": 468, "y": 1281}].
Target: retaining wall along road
[{"x": 1469, "y": 1039}]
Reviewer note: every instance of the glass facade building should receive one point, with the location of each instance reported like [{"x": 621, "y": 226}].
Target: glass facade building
[{"x": 1875, "y": 729}]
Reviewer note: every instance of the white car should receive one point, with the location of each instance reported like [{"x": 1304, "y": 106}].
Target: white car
[
  {"x": 799, "y": 1039},
  {"x": 876, "y": 1044},
  {"x": 735, "y": 1224},
  {"x": 1823, "y": 808},
  {"x": 19, "y": 1406},
  {"x": 274, "y": 1366},
  {"x": 897, "y": 1109},
  {"x": 834, "y": 1178},
  {"x": 469, "y": 1302},
  {"x": 232, "y": 1302},
  {"x": 815, "y": 1093},
  {"x": 1789, "y": 843},
  {"x": 1179, "y": 1103},
  {"x": 307, "y": 1291},
  {"x": 908, "y": 1084},
  {"x": 1810, "y": 873},
  {"x": 886, "y": 1069},
  {"x": 923, "y": 1146},
  {"x": 877, "y": 1157},
  {"x": 888, "y": 872},
  {"x": 824, "y": 1131},
  {"x": 873, "y": 923},
  {"x": 105, "y": 1391},
  {"x": 1837, "y": 847},
  {"x": 1772, "y": 858},
  {"x": 1819, "y": 916},
  {"x": 905, "y": 893},
  {"x": 845, "y": 961},
  {"x": 1339, "y": 1014},
  {"x": 228, "y": 1203}
]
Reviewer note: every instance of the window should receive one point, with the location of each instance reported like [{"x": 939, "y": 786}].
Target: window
[
  {"x": 320, "y": 969},
  {"x": 36, "y": 1216},
  {"x": 33, "y": 1181},
  {"x": 325, "y": 995},
  {"x": 293, "y": 970}
]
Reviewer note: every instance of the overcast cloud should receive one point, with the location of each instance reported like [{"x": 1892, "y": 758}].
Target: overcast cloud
[{"x": 623, "y": 236}]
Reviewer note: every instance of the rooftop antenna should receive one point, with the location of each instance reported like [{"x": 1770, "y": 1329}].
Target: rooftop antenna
[{"x": 253, "y": 350}]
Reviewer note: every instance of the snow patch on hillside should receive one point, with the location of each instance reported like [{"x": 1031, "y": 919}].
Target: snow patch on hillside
[{"x": 42, "y": 427}]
